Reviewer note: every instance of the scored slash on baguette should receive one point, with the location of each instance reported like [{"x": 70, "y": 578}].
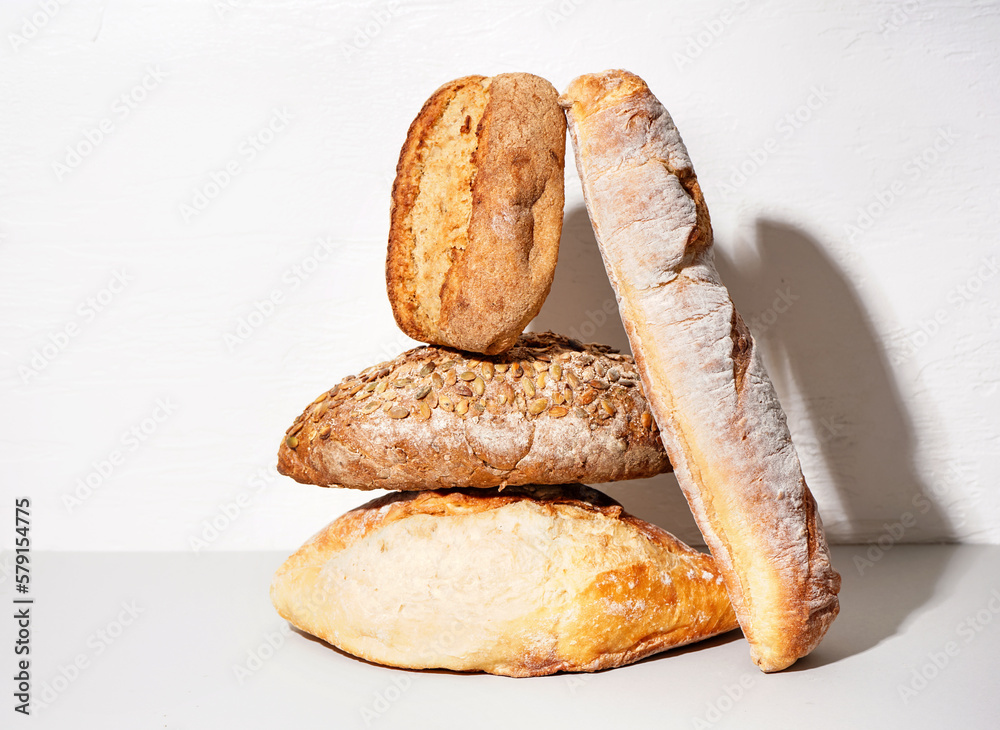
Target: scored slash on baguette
[
  {"x": 722, "y": 424},
  {"x": 522, "y": 582},
  {"x": 550, "y": 410}
]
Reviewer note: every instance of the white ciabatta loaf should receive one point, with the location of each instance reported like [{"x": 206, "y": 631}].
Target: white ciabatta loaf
[
  {"x": 720, "y": 420},
  {"x": 522, "y": 582}
]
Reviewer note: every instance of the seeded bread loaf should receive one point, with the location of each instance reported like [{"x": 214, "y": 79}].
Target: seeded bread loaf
[
  {"x": 722, "y": 424},
  {"x": 521, "y": 582},
  {"x": 548, "y": 411},
  {"x": 476, "y": 213}
]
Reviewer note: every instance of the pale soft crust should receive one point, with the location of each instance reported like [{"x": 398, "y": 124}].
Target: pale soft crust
[
  {"x": 524, "y": 582},
  {"x": 579, "y": 414},
  {"x": 721, "y": 421},
  {"x": 476, "y": 212}
]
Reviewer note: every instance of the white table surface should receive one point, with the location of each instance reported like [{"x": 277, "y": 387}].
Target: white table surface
[{"x": 160, "y": 637}]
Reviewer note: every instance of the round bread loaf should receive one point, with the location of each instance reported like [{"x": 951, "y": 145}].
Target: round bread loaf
[
  {"x": 524, "y": 582},
  {"x": 548, "y": 411},
  {"x": 476, "y": 213}
]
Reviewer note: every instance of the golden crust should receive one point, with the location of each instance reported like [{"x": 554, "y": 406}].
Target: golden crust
[
  {"x": 550, "y": 410},
  {"x": 521, "y": 582},
  {"x": 722, "y": 424},
  {"x": 405, "y": 265},
  {"x": 476, "y": 212}
]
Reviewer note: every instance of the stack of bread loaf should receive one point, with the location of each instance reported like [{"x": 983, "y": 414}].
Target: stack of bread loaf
[{"x": 489, "y": 554}]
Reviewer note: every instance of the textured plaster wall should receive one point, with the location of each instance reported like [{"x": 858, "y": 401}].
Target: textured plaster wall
[{"x": 194, "y": 205}]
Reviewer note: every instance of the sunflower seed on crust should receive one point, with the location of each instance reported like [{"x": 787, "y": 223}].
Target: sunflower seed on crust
[
  {"x": 559, "y": 390},
  {"x": 538, "y": 405}
]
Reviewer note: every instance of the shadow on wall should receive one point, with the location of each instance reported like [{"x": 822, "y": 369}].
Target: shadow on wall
[
  {"x": 850, "y": 425},
  {"x": 581, "y": 303}
]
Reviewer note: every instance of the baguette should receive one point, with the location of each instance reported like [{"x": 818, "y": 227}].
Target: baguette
[
  {"x": 524, "y": 582},
  {"x": 476, "y": 212},
  {"x": 721, "y": 422},
  {"x": 548, "y": 411}
]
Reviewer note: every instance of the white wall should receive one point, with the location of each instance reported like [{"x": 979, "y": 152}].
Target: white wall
[{"x": 880, "y": 327}]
